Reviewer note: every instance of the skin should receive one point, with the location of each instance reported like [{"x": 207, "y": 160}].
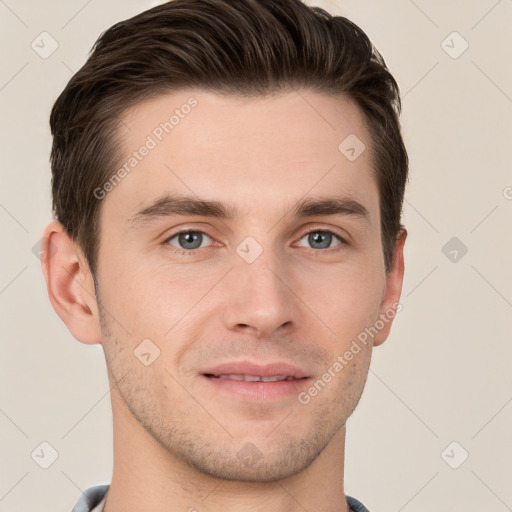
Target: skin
[{"x": 177, "y": 438}]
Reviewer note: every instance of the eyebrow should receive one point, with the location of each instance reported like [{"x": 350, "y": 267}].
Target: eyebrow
[{"x": 170, "y": 205}]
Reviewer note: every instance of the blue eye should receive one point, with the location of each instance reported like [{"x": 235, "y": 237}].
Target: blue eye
[
  {"x": 188, "y": 240},
  {"x": 321, "y": 239}
]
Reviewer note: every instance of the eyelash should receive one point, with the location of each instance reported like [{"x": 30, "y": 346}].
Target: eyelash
[{"x": 189, "y": 252}]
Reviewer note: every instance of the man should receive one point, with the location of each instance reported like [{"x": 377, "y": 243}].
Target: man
[{"x": 228, "y": 180}]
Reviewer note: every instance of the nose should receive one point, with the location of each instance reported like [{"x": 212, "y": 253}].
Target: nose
[{"x": 260, "y": 298}]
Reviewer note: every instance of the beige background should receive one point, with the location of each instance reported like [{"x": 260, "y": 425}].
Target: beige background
[{"x": 444, "y": 374}]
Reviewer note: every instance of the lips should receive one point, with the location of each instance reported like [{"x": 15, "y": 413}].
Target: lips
[
  {"x": 244, "y": 381},
  {"x": 251, "y": 372},
  {"x": 252, "y": 378}
]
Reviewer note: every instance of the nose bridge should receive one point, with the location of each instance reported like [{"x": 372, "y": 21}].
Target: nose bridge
[{"x": 258, "y": 294}]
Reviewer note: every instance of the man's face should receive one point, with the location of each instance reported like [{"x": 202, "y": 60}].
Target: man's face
[{"x": 263, "y": 286}]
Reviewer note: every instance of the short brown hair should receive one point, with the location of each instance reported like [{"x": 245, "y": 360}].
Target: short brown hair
[{"x": 244, "y": 48}]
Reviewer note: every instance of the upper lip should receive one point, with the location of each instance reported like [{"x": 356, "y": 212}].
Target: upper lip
[{"x": 262, "y": 370}]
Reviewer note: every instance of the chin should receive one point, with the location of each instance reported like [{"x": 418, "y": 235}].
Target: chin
[{"x": 251, "y": 463}]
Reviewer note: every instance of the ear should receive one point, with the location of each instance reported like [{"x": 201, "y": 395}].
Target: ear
[
  {"x": 70, "y": 284},
  {"x": 390, "y": 301}
]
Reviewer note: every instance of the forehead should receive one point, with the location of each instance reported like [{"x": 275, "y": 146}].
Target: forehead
[{"x": 258, "y": 153}]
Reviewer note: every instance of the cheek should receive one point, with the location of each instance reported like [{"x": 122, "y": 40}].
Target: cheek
[
  {"x": 346, "y": 299},
  {"x": 153, "y": 301}
]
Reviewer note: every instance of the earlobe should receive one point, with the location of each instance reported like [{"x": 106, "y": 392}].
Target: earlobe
[
  {"x": 70, "y": 284},
  {"x": 390, "y": 302}
]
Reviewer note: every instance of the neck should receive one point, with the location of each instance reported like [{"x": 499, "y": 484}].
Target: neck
[{"x": 147, "y": 477}]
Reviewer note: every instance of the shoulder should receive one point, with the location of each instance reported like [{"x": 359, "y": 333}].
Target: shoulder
[
  {"x": 356, "y": 505},
  {"x": 91, "y": 498}
]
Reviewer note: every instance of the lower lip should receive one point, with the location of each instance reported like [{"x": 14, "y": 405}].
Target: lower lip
[{"x": 260, "y": 391}]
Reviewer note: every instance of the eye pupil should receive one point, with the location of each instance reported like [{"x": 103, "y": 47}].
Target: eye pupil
[
  {"x": 320, "y": 237},
  {"x": 190, "y": 237}
]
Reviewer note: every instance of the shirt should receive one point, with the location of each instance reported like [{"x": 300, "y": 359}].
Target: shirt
[{"x": 93, "y": 500}]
